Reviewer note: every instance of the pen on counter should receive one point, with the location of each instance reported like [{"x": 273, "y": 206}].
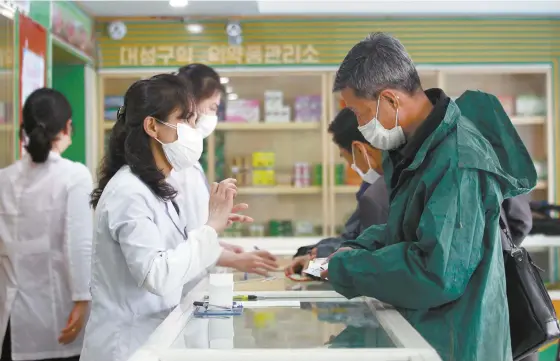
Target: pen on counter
[{"x": 245, "y": 298}]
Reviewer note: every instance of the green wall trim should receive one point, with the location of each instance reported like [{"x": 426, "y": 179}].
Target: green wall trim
[
  {"x": 70, "y": 81},
  {"x": 72, "y": 50}
]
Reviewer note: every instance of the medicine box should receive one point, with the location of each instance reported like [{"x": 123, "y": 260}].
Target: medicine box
[
  {"x": 243, "y": 111},
  {"x": 280, "y": 115},
  {"x": 264, "y": 177},
  {"x": 308, "y": 108},
  {"x": 273, "y": 99},
  {"x": 263, "y": 160}
]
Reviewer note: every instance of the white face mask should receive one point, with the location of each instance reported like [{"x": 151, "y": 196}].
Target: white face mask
[
  {"x": 370, "y": 176},
  {"x": 186, "y": 150},
  {"x": 380, "y": 137},
  {"x": 206, "y": 124}
]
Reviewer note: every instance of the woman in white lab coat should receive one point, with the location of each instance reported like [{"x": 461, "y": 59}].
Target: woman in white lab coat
[
  {"x": 143, "y": 253},
  {"x": 191, "y": 183},
  {"x": 45, "y": 238}
]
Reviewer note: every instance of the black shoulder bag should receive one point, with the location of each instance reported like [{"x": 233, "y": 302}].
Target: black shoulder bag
[{"x": 532, "y": 319}]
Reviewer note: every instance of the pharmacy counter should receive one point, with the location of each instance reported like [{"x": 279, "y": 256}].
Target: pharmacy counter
[{"x": 303, "y": 325}]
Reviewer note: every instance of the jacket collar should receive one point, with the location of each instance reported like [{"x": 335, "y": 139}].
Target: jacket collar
[{"x": 449, "y": 122}]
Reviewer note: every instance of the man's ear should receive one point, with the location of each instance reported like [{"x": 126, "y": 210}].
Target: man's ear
[
  {"x": 391, "y": 97},
  {"x": 150, "y": 127}
]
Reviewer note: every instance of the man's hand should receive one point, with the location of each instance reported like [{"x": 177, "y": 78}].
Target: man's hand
[
  {"x": 75, "y": 323},
  {"x": 298, "y": 264},
  {"x": 325, "y": 273},
  {"x": 232, "y": 247}
]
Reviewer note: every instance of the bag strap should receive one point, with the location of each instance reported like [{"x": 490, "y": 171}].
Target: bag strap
[{"x": 504, "y": 227}]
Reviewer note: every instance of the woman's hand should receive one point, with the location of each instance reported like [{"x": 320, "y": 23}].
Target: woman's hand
[
  {"x": 239, "y": 218},
  {"x": 221, "y": 203},
  {"x": 75, "y": 323},
  {"x": 232, "y": 247},
  {"x": 259, "y": 262}
]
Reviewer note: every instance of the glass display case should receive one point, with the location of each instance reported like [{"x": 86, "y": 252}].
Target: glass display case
[
  {"x": 7, "y": 75},
  {"x": 295, "y": 325}
]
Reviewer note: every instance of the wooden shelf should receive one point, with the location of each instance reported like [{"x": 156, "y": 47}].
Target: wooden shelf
[
  {"x": 528, "y": 120},
  {"x": 6, "y": 127},
  {"x": 278, "y": 190},
  {"x": 268, "y": 126},
  {"x": 346, "y": 189}
]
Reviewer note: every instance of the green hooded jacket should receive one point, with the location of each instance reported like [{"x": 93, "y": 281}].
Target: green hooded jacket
[{"x": 438, "y": 259}]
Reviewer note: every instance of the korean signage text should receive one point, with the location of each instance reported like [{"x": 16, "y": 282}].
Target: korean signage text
[{"x": 177, "y": 55}]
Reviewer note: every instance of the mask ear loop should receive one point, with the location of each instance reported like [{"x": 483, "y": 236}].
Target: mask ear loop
[
  {"x": 397, "y": 118},
  {"x": 377, "y": 107},
  {"x": 365, "y": 154}
]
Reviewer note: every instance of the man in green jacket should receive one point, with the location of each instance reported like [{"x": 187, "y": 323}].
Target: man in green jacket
[{"x": 448, "y": 167}]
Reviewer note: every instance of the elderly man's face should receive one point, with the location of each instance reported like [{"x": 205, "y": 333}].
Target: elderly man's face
[{"x": 365, "y": 109}]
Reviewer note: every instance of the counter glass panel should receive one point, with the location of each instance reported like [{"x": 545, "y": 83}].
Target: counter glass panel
[{"x": 289, "y": 324}]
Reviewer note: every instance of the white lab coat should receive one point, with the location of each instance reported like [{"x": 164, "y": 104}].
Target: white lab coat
[
  {"x": 142, "y": 257},
  {"x": 193, "y": 194},
  {"x": 45, "y": 253}
]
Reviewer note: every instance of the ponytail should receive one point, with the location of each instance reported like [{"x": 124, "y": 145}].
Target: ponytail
[
  {"x": 39, "y": 144},
  {"x": 45, "y": 114}
]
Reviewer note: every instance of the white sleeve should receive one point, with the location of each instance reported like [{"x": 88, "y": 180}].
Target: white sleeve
[
  {"x": 154, "y": 267},
  {"x": 79, "y": 233}
]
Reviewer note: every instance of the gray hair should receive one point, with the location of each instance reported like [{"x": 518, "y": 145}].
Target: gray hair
[{"x": 376, "y": 63}]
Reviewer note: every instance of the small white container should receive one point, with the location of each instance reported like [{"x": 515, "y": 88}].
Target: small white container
[{"x": 220, "y": 289}]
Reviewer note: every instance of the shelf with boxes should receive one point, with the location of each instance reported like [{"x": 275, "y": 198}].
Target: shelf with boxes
[
  {"x": 299, "y": 186},
  {"x": 271, "y": 137},
  {"x": 526, "y": 95}
]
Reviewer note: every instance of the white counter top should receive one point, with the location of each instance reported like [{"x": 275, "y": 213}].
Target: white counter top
[{"x": 287, "y": 325}]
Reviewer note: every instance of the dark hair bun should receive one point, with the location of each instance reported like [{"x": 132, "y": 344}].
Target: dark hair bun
[
  {"x": 39, "y": 145},
  {"x": 45, "y": 114}
]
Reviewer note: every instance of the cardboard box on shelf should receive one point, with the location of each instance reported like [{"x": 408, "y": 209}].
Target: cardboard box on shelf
[
  {"x": 273, "y": 99},
  {"x": 280, "y": 115},
  {"x": 264, "y": 177},
  {"x": 263, "y": 160},
  {"x": 243, "y": 111},
  {"x": 308, "y": 108}
]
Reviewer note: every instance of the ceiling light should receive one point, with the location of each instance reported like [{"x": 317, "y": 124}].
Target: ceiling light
[
  {"x": 229, "y": 89},
  {"x": 224, "y": 80},
  {"x": 232, "y": 96},
  {"x": 194, "y": 28},
  {"x": 178, "y": 3},
  {"x": 7, "y": 13}
]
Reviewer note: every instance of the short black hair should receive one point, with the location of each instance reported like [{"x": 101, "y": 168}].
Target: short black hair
[
  {"x": 205, "y": 81},
  {"x": 45, "y": 114},
  {"x": 344, "y": 129},
  {"x": 376, "y": 63}
]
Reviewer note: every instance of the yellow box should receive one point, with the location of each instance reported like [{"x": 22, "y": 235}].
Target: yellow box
[
  {"x": 263, "y": 160},
  {"x": 264, "y": 177}
]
